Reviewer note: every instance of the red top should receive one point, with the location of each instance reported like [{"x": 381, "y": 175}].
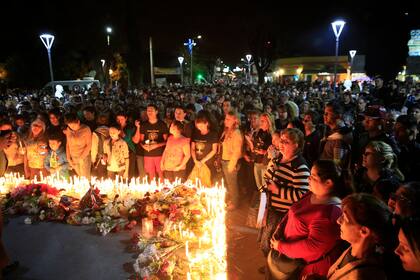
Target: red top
[{"x": 310, "y": 232}]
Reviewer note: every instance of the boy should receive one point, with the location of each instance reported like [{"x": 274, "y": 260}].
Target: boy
[
  {"x": 79, "y": 142},
  {"x": 56, "y": 160}
]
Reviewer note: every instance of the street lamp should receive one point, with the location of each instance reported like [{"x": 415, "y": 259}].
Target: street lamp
[
  {"x": 352, "y": 55},
  {"x": 110, "y": 72},
  {"x": 108, "y": 33},
  {"x": 181, "y": 60},
  {"x": 337, "y": 26},
  {"x": 48, "y": 40},
  {"x": 191, "y": 44},
  {"x": 248, "y": 58}
]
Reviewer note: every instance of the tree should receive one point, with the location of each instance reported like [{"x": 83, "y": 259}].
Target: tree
[{"x": 262, "y": 46}]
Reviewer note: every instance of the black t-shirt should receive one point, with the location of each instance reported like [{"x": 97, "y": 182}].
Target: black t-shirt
[
  {"x": 188, "y": 129},
  {"x": 261, "y": 140},
  {"x": 153, "y": 134},
  {"x": 203, "y": 143}
]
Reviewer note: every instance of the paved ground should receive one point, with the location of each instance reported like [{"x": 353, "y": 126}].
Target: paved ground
[{"x": 57, "y": 251}]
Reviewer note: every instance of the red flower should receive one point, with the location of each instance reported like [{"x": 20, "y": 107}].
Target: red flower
[{"x": 196, "y": 212}]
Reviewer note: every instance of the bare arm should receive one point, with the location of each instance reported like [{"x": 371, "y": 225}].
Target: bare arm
[
  {"x": 187, "y": 154},
  {"x": 136, "y": 136}
]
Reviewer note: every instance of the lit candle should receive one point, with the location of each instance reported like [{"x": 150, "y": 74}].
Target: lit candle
[{"x": 187, "y": 252}]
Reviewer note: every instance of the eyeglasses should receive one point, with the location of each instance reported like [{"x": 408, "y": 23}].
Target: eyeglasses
[{"x": 399, "y": 197}]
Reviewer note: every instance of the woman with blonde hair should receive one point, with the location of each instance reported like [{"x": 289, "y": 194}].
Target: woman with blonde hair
[
  {"x": 379, "y": 175},
  {"x": 258, "y": 144},
  {"x": 36, "y": 150},
  {"x": 231, "y": 143}
]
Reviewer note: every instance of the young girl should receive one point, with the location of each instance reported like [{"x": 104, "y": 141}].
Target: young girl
[
  {"x": 231, "y": 153},
  {"x": 36, "y": 150},
  {"x": 116, "y": 154},
  {"x": 177, "y": 153}
]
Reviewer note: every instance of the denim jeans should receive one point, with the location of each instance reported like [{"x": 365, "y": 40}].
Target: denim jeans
[{"x": 231, "y": 183}]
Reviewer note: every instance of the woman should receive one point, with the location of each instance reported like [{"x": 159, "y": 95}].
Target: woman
[
  {"x": 204, "y": 144},
  {"x": 380, "y": 175},
  {"x": 286, "y": 181},
  {"x": 15, "y": 151},
  {"x": 232, "y": 142},
  {"x": 409, "y": 245},
  {"x": 56, "y": 124},
  {"x": 309, "y": 231},
  {"x": 259, "y": 144},
  {"x": 36, "y": 150},
  {"x": 405, "y": 202},
  {"x": 177, "y": 153},
  {"x": 366, "y": 223},
  {"x": 127, "y": 132}
]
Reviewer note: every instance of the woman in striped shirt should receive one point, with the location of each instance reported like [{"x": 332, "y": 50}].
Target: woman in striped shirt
[{"x": 286, "y": 181}]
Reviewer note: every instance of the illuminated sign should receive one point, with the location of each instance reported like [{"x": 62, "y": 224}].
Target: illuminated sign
[{"x": 414, "y": 43}]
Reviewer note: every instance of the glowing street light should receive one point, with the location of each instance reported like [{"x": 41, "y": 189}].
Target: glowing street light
[
  {"x": 181, "y": 60},
  {"x": 48, "y": 40},
  {"x": 108, "y": 33},
  {"x": 191, "y": 44},
  {"x": 337, "y": 27},
  {"x": 248, "y": 59},
  {"x": 352, "y": 55}
]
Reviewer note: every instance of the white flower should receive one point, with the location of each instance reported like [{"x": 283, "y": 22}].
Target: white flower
[
  {"x": 28, "y": 221},
  {"x": 146, "y": 272},
  {"x": 85, "y": 220},
  {"x": 42, "y": 215}
]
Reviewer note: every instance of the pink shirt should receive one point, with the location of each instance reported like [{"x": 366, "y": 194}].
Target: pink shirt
[{"x": 174, "y": 153}]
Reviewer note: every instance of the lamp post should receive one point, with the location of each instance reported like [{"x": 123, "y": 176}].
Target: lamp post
[
  {"x": 248, "y": 58},
  {"x": 191, "y": 44},
  {"x": 108, "y": 34},
  {"x": 48, "y": 40},
  {"x": 352, "y": 55},
  {"x": 337, "y": 26},
  {"x": 181, "y": 60},
  {"x": 110, "y": 72}
]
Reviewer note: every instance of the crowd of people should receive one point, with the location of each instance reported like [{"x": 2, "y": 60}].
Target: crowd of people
[{"x": 338, "y": 171}]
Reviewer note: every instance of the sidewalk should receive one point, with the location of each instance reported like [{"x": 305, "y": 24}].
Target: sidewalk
[{"x": 58, "y": 251}]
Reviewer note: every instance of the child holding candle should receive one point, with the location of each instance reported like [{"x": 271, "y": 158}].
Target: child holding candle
[
  {"x": 56, "y": 160},
  {"x": 116, "y": 154}
]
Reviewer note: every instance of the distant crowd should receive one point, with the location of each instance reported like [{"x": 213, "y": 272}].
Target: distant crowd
[{"x": 338, "y": 172}]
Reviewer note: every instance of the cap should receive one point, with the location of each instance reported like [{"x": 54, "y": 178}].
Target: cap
[{"x": 375, "y": 112}]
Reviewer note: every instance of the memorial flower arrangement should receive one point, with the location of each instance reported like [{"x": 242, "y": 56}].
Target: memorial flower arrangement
[{"x": 170, "y": 218}]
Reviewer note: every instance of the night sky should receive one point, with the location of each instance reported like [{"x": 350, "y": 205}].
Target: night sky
[{"x": 380, "y": 31}]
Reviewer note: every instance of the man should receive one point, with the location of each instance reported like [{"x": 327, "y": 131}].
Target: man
[
  {"x": 180, "y": 115},
  {"x": 374, "y": 124},
  {"x": 406, "y": 131},
  {"x": 336, "y": 145},
  {"x": 79, "y": 142},
  {"x": 153, "y": 136}
]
